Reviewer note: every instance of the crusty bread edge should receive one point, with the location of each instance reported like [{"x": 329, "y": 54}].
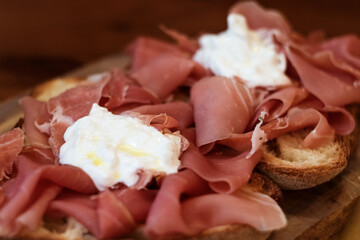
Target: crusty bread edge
[
  {"x": 229, "y": 232},
  {"x": 54, "y": 87},
  {"x": 295, "y": 177}
]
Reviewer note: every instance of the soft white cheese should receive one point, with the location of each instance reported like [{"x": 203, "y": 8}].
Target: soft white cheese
[
  {"x": 113, "y": 148},
  {"x": 239, "y": 51}
]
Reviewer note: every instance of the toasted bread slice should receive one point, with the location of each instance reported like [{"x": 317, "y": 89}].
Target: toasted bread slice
[
  {"x": 54, "y": 87},
  {"x": 293, "y": 167},
  {"x": 73, "y": 230}
]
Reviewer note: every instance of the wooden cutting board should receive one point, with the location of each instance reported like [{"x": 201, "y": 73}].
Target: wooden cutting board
[{"x": 317, "y": 213}]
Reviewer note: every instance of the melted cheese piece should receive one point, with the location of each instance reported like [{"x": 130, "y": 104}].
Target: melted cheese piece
[
  {"x": 113, "y": 148},
  {"x": 241, "y": 52}
]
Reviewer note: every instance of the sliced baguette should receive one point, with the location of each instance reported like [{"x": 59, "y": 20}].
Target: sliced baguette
[
  {"x": 293, "y": 167},
  {"x": 54, "y": 87}
]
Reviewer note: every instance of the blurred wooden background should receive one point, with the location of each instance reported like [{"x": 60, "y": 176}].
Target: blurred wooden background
[{"x": 41, "y": 39}]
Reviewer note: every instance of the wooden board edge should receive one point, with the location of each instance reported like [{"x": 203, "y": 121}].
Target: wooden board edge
[{"x": 329, "y": 227}]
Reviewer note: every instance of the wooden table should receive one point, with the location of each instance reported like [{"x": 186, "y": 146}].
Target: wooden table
[{"x": 42, "y": 39}]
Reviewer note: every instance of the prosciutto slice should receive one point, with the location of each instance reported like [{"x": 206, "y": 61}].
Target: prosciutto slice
[
  {"x": 181, "y": 111},
  {"x": 338, "y": 91},
  {"x": 278, "y": 103},
  {"x": 346, "y": 48},
  {"x": 202, "y": 209},
  {"x": 222, "y": 107},
  {"x": 183, "y": 41},
  {"x": 144, "y": 49},
  {"x": 225, "y": 171},
  {"x": 36, "y": 184},
  {"x": 225, "y": 174},
  {"x": 161, "y": 67},
  {"x": 68, "y": 107},
  {"x": 338, "y": 117},
  {"x": 11, "y": 144},
  {"x": 166, "y": 73},
  {"x": 121, "y": 90},
  {"x": 296, "y": 119},
  {"x": 108, "y": 214},
  {"x": 258, "y": 17},
  {"x": 34, "y": 110}
]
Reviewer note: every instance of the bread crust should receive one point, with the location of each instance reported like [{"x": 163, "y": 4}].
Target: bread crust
[
  {"x": 300, "y": 175},
  {"x": 54, "y": 87},
  {"x": 295, "y": 176}
]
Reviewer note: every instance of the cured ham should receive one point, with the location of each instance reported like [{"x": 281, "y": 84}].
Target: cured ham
[
  {"x": 120, "y": 90},
  {"x": 68, "y": 107},
  {"x": 204, "y": 209},
  {"x": 338, "y": 117},
  {"x": 11, "y": 144},
  {"x": 145, "y": 49},
  {"x": 225, "y": 172},
  {"x": 33, "y": 110},
  {"x": 218, "y": 104},
  {"x": 161, "y": 67},
  {"x": 108, "y": 214},
  {"x": 296, "y": 119},
  {"x": 29, "y": 193},
  {"x": 278, "y": 103},
  {"x": 159, "y": 121},
  {"x": 183, "y": 41},
  {"x": 338, "y": 92},
  {"x": 346, "y": 48},
  {"x": 166, "y": 73},
  {"x": 181, "y": 111},
  {"x": 257, "y": 17}
]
